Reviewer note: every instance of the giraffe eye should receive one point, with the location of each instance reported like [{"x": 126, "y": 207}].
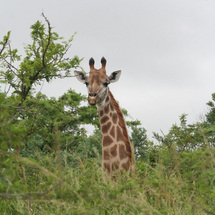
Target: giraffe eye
[{"x": 87, "y": 84}]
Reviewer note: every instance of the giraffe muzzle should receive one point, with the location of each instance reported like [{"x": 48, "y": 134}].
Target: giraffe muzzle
[{"x": 92, "y": 98}]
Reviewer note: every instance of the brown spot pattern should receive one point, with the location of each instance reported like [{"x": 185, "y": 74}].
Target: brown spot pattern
[
  {"x": 107, "y": 166},
  {"x": 122, "y": 152},
  {"x": 115, "y": 165},
  {"x": 107, "y": 140},
  {"x": 111, "y": 106},
  {"x": 112, "y": 132},
  {"x": 113, "y": 150},
  {"x": 106, "y": 155},
  {"x": 101, "y": 113},
  {"x": 104, "y": 119},
  {"x": 126, "y": 165},
  {"x": 107, "y": 99},
  {"x": 106, "y": 127},
  {"x": 114, "y": 118},
  {"x": 122, "y": 125},
  {"x": 106, "y": 109},
  {"x": 119, "y": 134}
]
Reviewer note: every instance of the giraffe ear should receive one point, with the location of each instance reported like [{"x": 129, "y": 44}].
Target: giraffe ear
[
  {"x": 80, "y": 76},
  {"x": 114, "y": 76}
]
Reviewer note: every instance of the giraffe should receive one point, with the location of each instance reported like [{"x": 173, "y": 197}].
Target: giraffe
[{"x": 116, "y": 146}]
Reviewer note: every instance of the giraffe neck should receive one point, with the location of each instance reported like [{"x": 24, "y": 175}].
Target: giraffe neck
[{"x": 116, "y": 146}]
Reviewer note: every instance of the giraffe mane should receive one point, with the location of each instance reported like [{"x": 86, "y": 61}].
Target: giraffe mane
[{"x": 123, "y": 125}]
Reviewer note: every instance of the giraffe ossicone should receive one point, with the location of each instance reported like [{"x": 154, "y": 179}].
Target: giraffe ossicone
[{"x": 116, "y": 146}]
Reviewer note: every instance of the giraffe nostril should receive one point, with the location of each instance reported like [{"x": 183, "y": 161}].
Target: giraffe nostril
[{"x": 92, "y": 94}]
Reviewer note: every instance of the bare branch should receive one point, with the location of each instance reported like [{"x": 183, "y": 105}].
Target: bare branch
[
  {"x": 49, "y": 39},
  {"x": 4, "y": 58},
  {"x": 4, "y": 45},
  {"x": 59, "y": 76},
  {"x": 10, "y": 66}
]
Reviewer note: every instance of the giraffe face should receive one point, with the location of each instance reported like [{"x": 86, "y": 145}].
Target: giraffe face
[
  {"x": 97, "y": 82},
  {"x": 97, "y": 86}
]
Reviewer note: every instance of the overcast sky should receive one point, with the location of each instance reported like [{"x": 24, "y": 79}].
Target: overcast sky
[{"x": 165, "y": 49}]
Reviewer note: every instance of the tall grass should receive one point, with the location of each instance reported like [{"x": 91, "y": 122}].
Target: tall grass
[{"x": 175, "y": 184}]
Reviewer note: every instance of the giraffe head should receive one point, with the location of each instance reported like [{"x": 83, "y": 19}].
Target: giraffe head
[{"x": 97, "y": 82}]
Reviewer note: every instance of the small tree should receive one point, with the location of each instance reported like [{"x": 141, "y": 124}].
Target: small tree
[
  {"x": 44, "y": 59},
  {"x": 43, "y": 126}
]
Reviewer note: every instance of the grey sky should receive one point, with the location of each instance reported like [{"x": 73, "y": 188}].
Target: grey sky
[{"x": 165, "y": 49}]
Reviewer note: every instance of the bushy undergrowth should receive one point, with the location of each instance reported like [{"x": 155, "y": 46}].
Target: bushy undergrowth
[{"x": 176, "y": 184}]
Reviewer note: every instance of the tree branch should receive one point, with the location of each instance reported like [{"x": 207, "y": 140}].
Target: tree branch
[
  {"x": 34, "y": 78},
  {"x": 4, "y": 45},
  {"x": 10, "y": 66},
  {"x": 58, "y": 76},
  {"x": 49, "y": 40},
  {"x": 17, "y": 108}
]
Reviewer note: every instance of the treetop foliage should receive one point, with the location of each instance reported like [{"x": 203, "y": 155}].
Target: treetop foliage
[{"x": 44, "y": 59}]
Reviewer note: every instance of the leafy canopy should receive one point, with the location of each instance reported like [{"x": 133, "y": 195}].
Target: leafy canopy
[{"x": 44, "y": 59}]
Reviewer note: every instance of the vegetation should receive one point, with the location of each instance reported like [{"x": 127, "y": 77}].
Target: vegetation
[{"x": 49, "y": 165}]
